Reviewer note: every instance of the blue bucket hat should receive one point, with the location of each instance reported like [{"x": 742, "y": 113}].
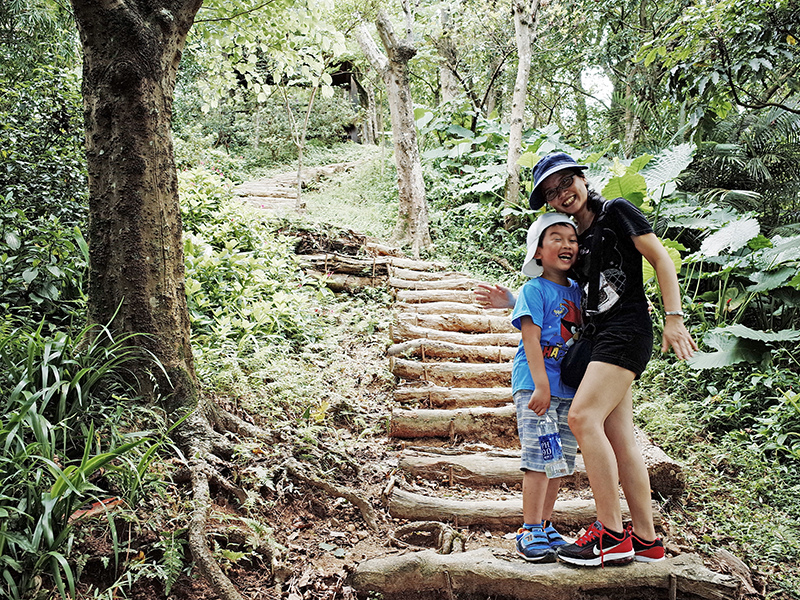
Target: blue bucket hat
[{"x": 552, "y": 163}]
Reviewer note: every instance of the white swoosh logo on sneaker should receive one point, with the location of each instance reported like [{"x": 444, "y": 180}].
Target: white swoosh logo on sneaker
[{"x": 597, "y": 550}]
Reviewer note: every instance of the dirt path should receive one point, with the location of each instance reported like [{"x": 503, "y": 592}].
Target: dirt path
[
  {"x": 279, "y": 193},
  {"x": 453, "y": 502}
]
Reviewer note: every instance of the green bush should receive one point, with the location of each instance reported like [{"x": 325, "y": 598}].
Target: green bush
[
  {"x": 43, "y": 270},
  {"x": 42, "y": 167},
  {"x": 243, "y": 287}
]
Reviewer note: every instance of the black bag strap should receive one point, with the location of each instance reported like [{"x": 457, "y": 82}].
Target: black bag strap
[{"x": 593, "y": 293}]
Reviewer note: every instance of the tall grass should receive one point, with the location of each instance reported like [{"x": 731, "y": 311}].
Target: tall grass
[{"x": 60, "y": 439}]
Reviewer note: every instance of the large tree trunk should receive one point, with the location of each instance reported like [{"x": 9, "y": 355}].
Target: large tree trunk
[
  {"x": 131, "y": 52},
  {"x": 525, "y": 13},
  {"x": 136, "y": 282},
  {"x": 412, "y": 219}
]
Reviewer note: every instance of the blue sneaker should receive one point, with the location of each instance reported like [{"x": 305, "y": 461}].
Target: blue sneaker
[
  {"x": 553, "y": 537},
  {"x": 532, "y": 545}
]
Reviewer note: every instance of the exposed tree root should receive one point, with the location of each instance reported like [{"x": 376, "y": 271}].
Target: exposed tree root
[
  {"x": 294, "y": 469},
  {"x": 204, "y": 445},
  {"x": 447, "y": 539}
]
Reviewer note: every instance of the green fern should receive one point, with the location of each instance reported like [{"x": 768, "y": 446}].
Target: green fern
[{"x": 173, "y": 560}]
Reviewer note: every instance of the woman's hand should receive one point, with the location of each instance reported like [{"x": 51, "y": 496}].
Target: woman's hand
[
  {"x": 494, "y": 296},
  {"x": 677, "y": 336}
]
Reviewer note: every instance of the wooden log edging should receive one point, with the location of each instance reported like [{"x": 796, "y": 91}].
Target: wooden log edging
[
  {"x": 401, "y": 332},
  {"x": 495, "y": 573},
  {"x": 494, "y": 513},
  {"x": 453, "y": 374}
]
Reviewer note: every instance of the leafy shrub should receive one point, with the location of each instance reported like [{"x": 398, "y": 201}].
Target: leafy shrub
[
  {"x": 42, "y": 167},
  {"x": 43, "y": 268},
  {"x": 242, "y": 285},
  {"x": 202, "y": 193}
]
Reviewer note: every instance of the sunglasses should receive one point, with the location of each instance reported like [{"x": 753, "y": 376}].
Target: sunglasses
[{"x": 555, "y": 192}]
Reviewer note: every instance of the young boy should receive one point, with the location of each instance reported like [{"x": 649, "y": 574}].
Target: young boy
[{"x": 547, "y": 312}]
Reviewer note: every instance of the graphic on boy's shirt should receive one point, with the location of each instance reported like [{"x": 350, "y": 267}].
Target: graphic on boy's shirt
[{"x": 570, "y": 323}]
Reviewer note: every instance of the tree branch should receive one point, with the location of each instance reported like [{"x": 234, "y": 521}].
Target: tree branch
[{"x": 236, "y": 15}]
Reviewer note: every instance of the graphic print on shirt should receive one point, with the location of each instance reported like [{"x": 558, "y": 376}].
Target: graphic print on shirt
[
  {"x": 612, "y": 278},
  {"x": 570, "y": 315}
]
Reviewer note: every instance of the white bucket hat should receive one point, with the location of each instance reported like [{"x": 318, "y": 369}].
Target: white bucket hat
[{"x": 535, "y": 231}]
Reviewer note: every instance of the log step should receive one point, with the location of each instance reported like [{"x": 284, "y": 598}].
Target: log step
[
  {"x": 475, "y": 470},
  {"x": 401, "y": 332},
  {"x": 342, "y": 263},
  {"x": 414, "y": 297},
  {"x": 502, "y": 514},
  {"x": 459, "y": 322},
  {"x": 496, "y": 573},
  {"x": 461, "y": 283},
  {"x": 453, "y": 374},
  {"x": 425, "y": 349},
  {"x": 497, "y": 426},
  {"x": 411, "y": 274},
  {"x": 443, "y": 308},
  {"x": 433, "y": 396}
]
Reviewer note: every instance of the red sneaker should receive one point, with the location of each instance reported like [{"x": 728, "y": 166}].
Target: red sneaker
[
  {"x": 646, "y": 551},
  {"x": 597, "y": 547}
]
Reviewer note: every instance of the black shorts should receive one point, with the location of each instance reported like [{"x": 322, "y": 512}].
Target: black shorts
[{"x": 627, "y": 343}]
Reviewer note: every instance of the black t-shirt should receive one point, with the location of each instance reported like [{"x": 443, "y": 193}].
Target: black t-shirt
[{"x": 621, "y": 284}]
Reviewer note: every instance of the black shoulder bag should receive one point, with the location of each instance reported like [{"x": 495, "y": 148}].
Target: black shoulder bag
[{"x": 579, "y": 355}]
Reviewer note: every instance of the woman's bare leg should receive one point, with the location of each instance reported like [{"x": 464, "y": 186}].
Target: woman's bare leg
[{"x": 603, "y": 389}]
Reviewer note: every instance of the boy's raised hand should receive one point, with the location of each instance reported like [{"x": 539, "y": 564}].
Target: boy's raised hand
[{"x": 494, "y": 296}]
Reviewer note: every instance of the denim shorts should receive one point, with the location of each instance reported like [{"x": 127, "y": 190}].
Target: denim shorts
[{"x": 529, "y": 436}]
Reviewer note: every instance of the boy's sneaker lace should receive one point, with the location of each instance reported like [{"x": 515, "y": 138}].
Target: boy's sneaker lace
[
  {"x": 646, "y": 551},
  {"x": 553, "y": 537},
  {"x": 532, "y": 545},
  {"x": 598, "y": 547}
]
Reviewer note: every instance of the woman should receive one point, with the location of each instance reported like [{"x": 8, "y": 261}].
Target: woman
[{"x": 601, "y": 416}]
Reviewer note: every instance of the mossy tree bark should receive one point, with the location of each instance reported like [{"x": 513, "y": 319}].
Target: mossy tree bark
[{"x": 131, "y": 52}]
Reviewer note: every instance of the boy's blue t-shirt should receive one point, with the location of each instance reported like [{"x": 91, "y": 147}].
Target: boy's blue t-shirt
[{"x": 556, "y": 309}]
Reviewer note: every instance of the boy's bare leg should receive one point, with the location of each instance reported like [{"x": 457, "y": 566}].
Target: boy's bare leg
[
  {"x": 602, "y": 390},
  {"x": 534, "y": 491},
  {"x": 553, "y": 486}
]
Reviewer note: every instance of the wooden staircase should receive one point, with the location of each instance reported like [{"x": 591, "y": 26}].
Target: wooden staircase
[
  {"x": 455, "y": 497},
  {"x": 458, "y": 467}
]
